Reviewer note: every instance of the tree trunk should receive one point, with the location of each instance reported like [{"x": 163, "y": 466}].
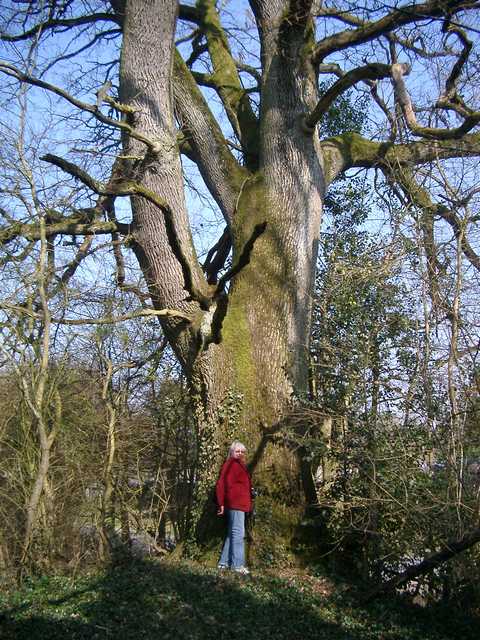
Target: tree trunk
[
  {"x": 256, "y": 346},
  {"x": 35, "y": 498},
  {"x": 145, "y": 84}
]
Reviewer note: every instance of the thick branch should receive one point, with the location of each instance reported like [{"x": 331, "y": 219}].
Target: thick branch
[
  {"x": 78, "y": 173},
  {"x": 405, "y": 103},
  {"x": 207, "y": 146},
  {"x": 120, "y": 187},
  {"x": 205, "y": 80},
  {"x": 452, "y": 80},
  {"x": 353, "y": 150},
  {"x": 332, "y": 68},
  {"x": 64, "y": 23},
  {"x": 67, "y": 227},
  {"x": 349, "y": 18},
  {"x": 241, "y": 66},
  {"x": 82, "y": 253},
  {"x": 228, "y": 84},
  {"x": 373, "y": 71},
  {"x": 398, "y": 17}
]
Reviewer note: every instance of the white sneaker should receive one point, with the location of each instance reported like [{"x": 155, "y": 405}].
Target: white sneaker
[{"x": 242, "y": 570}]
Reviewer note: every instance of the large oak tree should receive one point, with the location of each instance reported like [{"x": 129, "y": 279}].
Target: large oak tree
[{"x": 241, "y": 324}]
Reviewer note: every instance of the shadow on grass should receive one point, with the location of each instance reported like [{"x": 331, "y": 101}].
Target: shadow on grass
[{"x": 149, "y": 600}]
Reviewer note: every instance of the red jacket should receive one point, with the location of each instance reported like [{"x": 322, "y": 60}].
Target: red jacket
[{"x": 234, "y": 487}]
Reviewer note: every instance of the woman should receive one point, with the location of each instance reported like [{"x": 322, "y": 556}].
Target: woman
[{"x": 234, "y": 499}]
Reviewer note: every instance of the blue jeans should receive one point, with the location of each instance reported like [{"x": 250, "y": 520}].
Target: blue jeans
[{"x": 233, "y": 552}]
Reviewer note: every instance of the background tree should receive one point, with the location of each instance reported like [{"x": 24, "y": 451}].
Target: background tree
[{"x": 397, "y": 478}]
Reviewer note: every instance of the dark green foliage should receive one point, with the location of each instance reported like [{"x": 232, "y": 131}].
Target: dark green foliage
[
  {"x": 348, "y": 113},
  {"x": 164, "y": 600},
  {"x": 362, "y": 318},
  {"x": 399, "y": 482}
]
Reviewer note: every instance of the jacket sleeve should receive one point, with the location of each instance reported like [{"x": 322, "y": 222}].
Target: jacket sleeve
[{"x": 220, "y": 487}]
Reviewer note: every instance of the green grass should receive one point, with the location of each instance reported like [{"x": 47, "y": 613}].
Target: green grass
[{"x": 160, "y": 600}]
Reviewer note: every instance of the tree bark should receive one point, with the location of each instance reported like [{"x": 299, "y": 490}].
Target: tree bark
[
  {"x": 145, "y": 85},
  {"x": 256, "y": 339}
]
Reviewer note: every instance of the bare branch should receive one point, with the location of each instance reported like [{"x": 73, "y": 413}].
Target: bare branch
[
  {"x": 397, "y": 17},
  {"x": 64, "y": 23},
  {"x": 373, "y": 71},
  {"x": 81, "y": 254},
  {"x": 139, "y": 313},
  {"x": 420, "y": 197},
  {"x": 383, "y": 106},
  {"x": 120, "y": 270},
  {"x": 349, "y": 18},
  {"x": 13, "y": 72},
  {"x": 19, "y": 257},
  {"x": 457, "y": 227},
  {"x": 119, "y": 186},
  {"x": 73, "y": 54},
  {"x": 403, "y": 99}
]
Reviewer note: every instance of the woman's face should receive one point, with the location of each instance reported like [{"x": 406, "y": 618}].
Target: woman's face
[{"x": 238, "y": 453}]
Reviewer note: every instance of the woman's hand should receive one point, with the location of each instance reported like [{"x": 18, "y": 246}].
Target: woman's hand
[{"x": 220, "y": 511}]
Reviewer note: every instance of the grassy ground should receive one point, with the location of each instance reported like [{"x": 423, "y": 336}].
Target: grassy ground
[{"x": 161, "y": 600}]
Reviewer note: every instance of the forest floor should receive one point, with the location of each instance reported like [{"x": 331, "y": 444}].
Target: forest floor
[{"x": 165, "y": 599}]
